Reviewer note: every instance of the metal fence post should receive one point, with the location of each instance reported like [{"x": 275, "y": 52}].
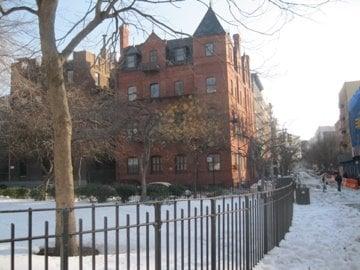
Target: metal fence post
[
  {"x": 247, "y": 236},
  {"x": 265, "y": 225},
  {"x": 213, "y": 234},
  {"x": 64, "y": 247},
  {"x": 157, "y": 232}
]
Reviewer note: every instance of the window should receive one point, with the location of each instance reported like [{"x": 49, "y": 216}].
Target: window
[
  {"x": 97, "y": 79},
  {"x": 153, "y": 56},
  {"x": 156, "y": 164},
  {"x": 180, "y": 54},
  {"x": 22, "y": 168},
  {"x": 70, "y": 76},
  {"x": 180, "y": 163},
  {"x": 209, "y": 49},
  {"x": 232, "y": 87},
  {"x": 133, "y": 165},
  {"x": 179, "y": 88},
  {"x": 131, "y": 61},
  {"x": 211, "y": 85},
  {"x": 154, "y": 90},
  {"x": 132, "y": 93},
  {"x": 131, "y": 130},
  {"x": 213, "y": 161}
]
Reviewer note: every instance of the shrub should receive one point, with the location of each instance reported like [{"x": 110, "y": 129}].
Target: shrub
[
  {"x": 2, "y": 186},
  {"x": 177, "y": 190},
  {"x": 38, "y": 193},
  {"x": 158, "y": 192},
  {"x": 125, "y": 191},
  {"x": 100, "y": 192},
  {"x": 15, "y": 192}
]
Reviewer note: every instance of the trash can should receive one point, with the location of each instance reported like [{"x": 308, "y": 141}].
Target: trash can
[{"x": 302, "y": 195}]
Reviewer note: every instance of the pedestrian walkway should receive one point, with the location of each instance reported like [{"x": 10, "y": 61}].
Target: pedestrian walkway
[{"x": 325, "y": 234}]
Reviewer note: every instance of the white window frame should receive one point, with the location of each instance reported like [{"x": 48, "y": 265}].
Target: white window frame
[
  {"x": 151, "y": 90},
  {"x": 209, "y": 49},
  {"x": 70, "y": 76},
  {"x": 211, "y": 84},
  {"x": 180, "y": 57},
  {"x": 132, "y": 63},
  {"x": 179, "y": 91},
  {"x": 132, "y": 93}
]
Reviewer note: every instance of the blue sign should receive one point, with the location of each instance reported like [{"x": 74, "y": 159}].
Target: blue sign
[{"x": 354, "y": 120}]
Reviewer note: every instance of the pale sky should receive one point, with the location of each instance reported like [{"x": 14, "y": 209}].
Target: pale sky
[{"x": 302, "y": 67}]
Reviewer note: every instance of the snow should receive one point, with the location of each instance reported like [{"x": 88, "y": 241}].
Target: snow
[{"x": 325, "y": 235}]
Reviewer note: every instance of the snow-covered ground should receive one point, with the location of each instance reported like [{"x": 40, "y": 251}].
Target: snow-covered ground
[{"x": 325, "y": 234}]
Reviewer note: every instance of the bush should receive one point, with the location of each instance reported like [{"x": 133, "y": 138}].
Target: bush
[
  {"x": 2, "y": 186},
  {"x": 177, "y": 190},
  {"x": 125, "y": 191},
  {"x": 15, "y": 192},
  {"x": 158, "y": 192},
  {"x": 38, "y": 193},
  {"x": 100, "y": 192}
]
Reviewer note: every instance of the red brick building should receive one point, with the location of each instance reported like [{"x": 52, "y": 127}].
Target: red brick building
[{"x": 209, "y": 66}]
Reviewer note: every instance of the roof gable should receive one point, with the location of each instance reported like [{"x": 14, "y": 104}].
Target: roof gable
[{"x": 209, "y": 25}]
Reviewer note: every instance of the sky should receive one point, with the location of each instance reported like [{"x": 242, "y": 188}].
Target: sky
[{"x": 302, "y": 67}]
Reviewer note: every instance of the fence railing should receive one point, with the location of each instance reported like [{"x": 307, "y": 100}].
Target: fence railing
[{"x": 231, "y": 232}]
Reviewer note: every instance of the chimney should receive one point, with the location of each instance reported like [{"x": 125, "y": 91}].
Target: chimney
[
  {"x": 236, "y": 38},
  {"x": 124, "y": 37}
]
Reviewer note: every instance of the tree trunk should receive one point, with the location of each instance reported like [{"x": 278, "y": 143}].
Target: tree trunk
[
  {"x": 144, "y": 165},
  {"x": 52, "y": 65}
]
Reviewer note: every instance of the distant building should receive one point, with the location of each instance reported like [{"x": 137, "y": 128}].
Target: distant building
[
  {"x": 346, "y": 93},
  {"x": 263, "y": 120},
  {"x": 86, "y": 71},
  {"x": 323, "y": 132}
]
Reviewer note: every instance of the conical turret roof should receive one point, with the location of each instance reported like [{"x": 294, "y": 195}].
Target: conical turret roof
[{"x": 209, "y": 25}]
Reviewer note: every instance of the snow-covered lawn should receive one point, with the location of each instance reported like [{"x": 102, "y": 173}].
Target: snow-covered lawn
[{"x": 325, "y": 234}]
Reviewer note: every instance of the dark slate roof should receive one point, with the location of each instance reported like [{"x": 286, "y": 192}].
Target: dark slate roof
[
  {"x": 132, "y": 50},
  {"x": 209, "y": 25},
  {"x": 181, "y": 42}
]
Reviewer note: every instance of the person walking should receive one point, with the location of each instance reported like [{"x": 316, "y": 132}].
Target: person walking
[
  {"x": 324, "y": 182},
  {"x": 338, "y": 180}
]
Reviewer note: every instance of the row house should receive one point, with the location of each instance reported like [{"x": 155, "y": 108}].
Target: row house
[{"x": 208, "y": 65}]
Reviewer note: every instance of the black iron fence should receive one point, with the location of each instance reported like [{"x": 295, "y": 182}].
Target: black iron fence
[{"x": 231, "y": 232}]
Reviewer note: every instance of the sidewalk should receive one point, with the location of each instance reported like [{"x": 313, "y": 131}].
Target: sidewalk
[{"x": 325, "y": 234}]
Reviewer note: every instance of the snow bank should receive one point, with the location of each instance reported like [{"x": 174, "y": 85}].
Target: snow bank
[{"x": 325, "y": 234}]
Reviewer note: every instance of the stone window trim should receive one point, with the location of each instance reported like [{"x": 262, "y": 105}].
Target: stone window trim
[
  {"x": 156, "y": 167},
  {"x": 211, "y": 84},
  {"x": 132, "y": 93},
  {"x": 155, "y": 90},
  {"x": 180, "y": 163},
  {"x": 179, "y": 88},
  {"x": 132, "y": 166},
  {"x": 213, "y": 162},
  {"x": 209, "y": 49}
]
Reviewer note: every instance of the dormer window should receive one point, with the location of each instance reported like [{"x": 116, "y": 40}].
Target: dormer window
[
  {"x": 153, "y": 56},
  {"x": 209, "y": 49},
  {"x": 180, "y": 54},
  {"x": 131, "y": 61}
]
